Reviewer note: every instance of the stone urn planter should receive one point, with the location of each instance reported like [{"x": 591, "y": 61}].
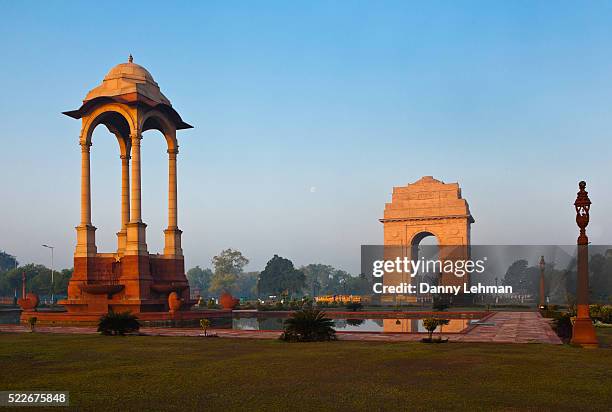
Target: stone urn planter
[
  {"x": 227, "y": 301},
  {"x": 174, "y": 302},
  {"x": 29, "y": 302}
]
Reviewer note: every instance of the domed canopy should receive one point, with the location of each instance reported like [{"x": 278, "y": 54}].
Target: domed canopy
[
  {"x": 126, "y": 78},
  {"x": 128, "y": 83}
]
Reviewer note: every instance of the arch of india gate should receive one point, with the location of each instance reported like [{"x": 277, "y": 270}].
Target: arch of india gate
[{"x": 128, "y": 103}]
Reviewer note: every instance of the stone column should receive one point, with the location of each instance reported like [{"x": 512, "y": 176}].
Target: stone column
[
  {"x": 172, "y": 246},
  {"x": 85, "y": 184},
  {"x": 136, "y": 242},
  {"x": 172, "y": 206},
  {"x": 125, "y": 190},
  {"x": 135, "y": 201},
  {"x": 86, "y": 242},
  {"x": 125, "y": 201}
]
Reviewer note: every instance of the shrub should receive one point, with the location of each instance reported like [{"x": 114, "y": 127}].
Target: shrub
[
  {"x": 204, "y": 324},
  {"x": 602, "y": 313},
  {"x": 606, "y": 314},
  {"x": 562, "y": 324},
  {"x": 431, "y": 324},
  {"x": 118, "y": 323},
  {"x": 354, "y": 306},
  {"x": 308, "y": 325},
  {"x": 32, "y": 323}
]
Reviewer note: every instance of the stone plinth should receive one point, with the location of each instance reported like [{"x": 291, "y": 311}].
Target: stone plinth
[{"x": 135, "y": 283}]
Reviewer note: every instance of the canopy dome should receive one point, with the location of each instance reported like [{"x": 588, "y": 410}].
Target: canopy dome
[
  {"x": 132, "y": 84},
  {"x": 126, "y": 78}
]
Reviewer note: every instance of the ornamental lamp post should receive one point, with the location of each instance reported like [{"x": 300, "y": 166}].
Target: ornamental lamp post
[
  {"x": 52, "y": 270},
  {"x": 583, "y": 332},
  {"x": 542, "y": 297}
]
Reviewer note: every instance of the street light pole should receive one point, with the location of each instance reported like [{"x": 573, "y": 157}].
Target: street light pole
[
  {"x": 52, "y": 267},
  {"x": 542, "y": 298},
  {"x": 583, "y": 332}
]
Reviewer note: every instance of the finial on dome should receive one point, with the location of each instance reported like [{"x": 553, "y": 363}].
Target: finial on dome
[{"x": 130, "y": 58}]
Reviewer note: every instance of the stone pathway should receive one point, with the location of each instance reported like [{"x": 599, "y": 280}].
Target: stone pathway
[
  {"x": 501, "y": 327},
  {"x": 513, "y": 327}
]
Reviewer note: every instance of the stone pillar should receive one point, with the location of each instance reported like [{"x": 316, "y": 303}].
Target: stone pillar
[
  {"x": 125, "y": 201},
  {"x": 135, "y": 211},
  {"x": 86, "y": 241},
  {"x": 85, "y": 184},
  {"x": 136, "y": 229},
  {"x": 172, "y": 246},
  {"x": 172, "y": 206}
]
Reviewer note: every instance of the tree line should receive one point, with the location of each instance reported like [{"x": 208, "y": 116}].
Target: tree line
[
  {"x": 560, "y": 283},
  {"x": 38, "y": 278},
  {"x": 279, "y": 278}
]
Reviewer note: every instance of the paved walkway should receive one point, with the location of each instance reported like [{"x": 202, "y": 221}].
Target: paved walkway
[
  {"x": 501, "y": 327},
  {"x": 513, "y": 327}
]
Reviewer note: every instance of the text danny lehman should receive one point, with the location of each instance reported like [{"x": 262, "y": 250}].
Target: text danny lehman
[{"x": 423, "y": 287}]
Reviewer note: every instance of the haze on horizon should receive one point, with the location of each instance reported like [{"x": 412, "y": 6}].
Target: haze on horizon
[{"x": 306, "y": 116}]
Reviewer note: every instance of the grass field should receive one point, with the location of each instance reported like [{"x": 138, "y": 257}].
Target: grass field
[{"x": 155, "y": 373}]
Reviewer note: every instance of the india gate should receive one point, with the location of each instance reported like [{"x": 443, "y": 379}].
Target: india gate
[
  {"x": 427, "y": 207},
  {"x": 128, "y": 103}
]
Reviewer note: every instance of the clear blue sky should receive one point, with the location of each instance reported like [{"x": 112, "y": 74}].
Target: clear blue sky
[{"x": 306, "y": 115}]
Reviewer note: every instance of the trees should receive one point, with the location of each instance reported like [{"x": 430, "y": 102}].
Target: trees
[
  {"x": 246, "y": 285},
  {"x": 560, "y": 284},
  {"x": 280, "y": 277},
  {"x": 229, "y": 261},
  {"x": 38, "y": 280},
  {"x": 316, "y": 278},
  {"x": 7, "y": 261},
  {"x": 200, "y": 278},
  {"x": 228, "y": 275},
  {"x": 323, "y": 279},
  {"x": 600, "y": 282},
  {"x": 223, "y": 282},
  {"x": 523, "y": 278},
  {"x": 228, "y": 265}
]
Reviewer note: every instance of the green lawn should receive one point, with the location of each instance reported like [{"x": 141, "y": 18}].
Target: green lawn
[{"x": 154, "y": 373}]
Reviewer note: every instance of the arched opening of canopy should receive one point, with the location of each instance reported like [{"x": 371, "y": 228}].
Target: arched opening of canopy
[
  {"x": 154, "y": 176},
  {"x": 108, "y": 144},
  {"x": 157, "y": 121}
]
